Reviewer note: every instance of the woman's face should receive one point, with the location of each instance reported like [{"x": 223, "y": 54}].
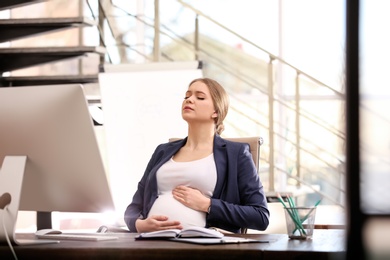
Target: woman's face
[{"x": 198, "y": 104}]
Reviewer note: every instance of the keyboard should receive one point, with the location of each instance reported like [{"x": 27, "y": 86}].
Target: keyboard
[{"x": 82, "y": 237}]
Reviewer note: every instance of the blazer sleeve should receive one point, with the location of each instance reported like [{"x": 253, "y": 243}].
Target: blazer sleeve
[
  {"x": 137, "y": 209},
  {"x": 134, "y": 210},
  {"x": 242, "y": 203}
]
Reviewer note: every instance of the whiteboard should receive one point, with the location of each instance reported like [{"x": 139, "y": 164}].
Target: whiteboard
[{"x": 141, "y": 109}]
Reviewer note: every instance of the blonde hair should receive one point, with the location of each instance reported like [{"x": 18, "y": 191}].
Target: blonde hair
[{"x": 220, "y": 100}]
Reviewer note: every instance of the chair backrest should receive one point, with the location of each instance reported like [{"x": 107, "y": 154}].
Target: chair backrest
[{"x": 254, "y": 145}]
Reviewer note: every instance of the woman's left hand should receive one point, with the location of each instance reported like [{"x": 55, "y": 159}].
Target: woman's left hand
[{"x": 192, "y": 198}]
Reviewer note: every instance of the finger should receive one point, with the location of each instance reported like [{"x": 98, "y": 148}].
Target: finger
[
  {"x": 178, "y": 195},
  {"x": 171, "y": 223},
  {"x": 180, "y": 188},
  {"x": 172, "y": 227},
  {"x": 159, "y": 217},
  {"x": 180, "y": 199}
]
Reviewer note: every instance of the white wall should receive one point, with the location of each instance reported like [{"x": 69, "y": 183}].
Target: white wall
[{"x": 142, "y": 108}]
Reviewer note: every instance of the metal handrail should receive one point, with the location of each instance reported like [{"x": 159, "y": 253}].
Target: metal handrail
[
  {"x": 302, "y": 113},
  {"x": 271, "y": 55},
  {"x": 271, "y": 97},
  {"x": 267, "y": 89}
]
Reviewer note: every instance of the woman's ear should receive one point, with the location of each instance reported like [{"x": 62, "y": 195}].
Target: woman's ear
[{"x": 214, "y": 115}]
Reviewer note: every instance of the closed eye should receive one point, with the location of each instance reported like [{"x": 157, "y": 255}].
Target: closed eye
[{"x": 200, "y": 98}]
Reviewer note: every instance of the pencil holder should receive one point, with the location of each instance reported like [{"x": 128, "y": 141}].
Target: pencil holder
[{"x": 300, "y": 222}]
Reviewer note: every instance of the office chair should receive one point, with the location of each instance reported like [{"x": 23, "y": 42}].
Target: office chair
[{"x": 254, "y": 145}]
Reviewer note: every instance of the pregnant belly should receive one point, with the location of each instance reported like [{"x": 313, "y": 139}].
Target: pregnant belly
[{"x": 166, "y": 205}]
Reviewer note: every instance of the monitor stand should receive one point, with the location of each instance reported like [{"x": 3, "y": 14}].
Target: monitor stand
[
  {"x": 11, "y": 181},
  {"x": 44, "y": 220}
]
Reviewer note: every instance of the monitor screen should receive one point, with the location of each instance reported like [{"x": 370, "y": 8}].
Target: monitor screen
[{"x": 52, "y": 126}]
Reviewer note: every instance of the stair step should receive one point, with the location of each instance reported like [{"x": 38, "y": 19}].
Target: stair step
[
  {"x": 18, "y": 58},
  {"x": 13, "y": 29},
  {"x": 18, "y": 81},
  {"x": 8, "y": 4}
]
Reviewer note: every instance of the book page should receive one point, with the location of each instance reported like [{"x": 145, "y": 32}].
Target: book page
[
  {"x": 169, "y": 233},
  {"x": 200, "y": 232},
  {"x": 187, "y": 232}
]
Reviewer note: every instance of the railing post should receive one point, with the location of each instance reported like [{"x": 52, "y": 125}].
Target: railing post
[
  {"x": 271, "y": 125},
  {"x": 156, "y": 47},
  {"x": 196, "y": 37},
  {"x": 81, "y": 36},
  {"x": 297, "y": 127},
  {"x": 140, "y": 32},
  {"x": 101, "y": 18}
]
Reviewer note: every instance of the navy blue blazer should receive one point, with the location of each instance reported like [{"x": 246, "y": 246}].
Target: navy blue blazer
[{"x": 238, "y": 200}]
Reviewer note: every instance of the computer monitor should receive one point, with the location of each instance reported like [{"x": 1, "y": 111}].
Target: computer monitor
[{"x": 49, "y": 152}]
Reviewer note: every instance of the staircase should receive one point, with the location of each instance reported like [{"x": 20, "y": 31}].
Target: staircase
[
  {"x": 5, "y": 4},
  {"x": 15, "y": 59}
]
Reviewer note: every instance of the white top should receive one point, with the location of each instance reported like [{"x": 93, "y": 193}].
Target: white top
[{"x": 199, "y": 174}]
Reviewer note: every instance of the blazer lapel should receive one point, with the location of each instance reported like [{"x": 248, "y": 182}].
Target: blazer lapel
[
  {"x": 169, "y": 151},
  {"x": 221, "y": 163}
]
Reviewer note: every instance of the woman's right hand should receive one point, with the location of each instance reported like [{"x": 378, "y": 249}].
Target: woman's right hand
[{"x": 155, "y": 223}]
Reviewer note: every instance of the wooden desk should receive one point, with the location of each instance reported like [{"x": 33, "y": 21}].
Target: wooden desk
[{"x": 325, "y": 244}]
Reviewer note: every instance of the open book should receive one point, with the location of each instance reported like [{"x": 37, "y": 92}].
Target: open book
[
  {"x": 187, "y": 232},
  {"x": 196, "y": 235}
]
